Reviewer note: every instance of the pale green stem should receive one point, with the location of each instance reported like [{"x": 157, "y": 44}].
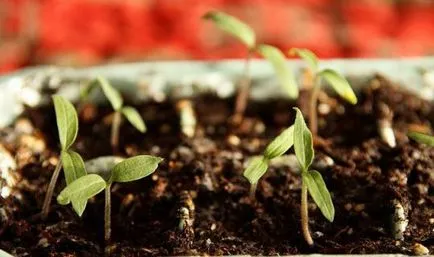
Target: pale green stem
[
  {"x": 107, "y": 219},
  {"x": 243, "y": 94},
  {"x": 116, "y": 123},
  {"x": 304, "y": 214},
  {"x": 253, "y": 191},
  {"x": 313, "y": 116},
  {"x": 50, "y": 190}
]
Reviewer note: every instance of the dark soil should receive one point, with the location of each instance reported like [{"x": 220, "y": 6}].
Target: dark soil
[{"x": 364, "y": 179}]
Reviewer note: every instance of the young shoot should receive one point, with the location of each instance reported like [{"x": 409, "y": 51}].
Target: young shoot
[
  {"x": 73, "y": 165},
  {"x": 110, "y": 170},
  {"x": 312, "y": 180},
  {"x": 245, "y": 34},
  {"x": 339, "y": 84},
  {"x": 258, "y": 165},
  {"x": 116, "y": 101}
]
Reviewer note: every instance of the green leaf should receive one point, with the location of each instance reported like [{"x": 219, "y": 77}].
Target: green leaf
[
  {"x": 308, "y": 56},
  {"x": 111, "y": 93},
  {"x": 256, "y": 169},
  {"x": 134, "y": 118},
  {"x": 67, "y": 121},
  {"x": 80, "y": 191},
  {"x": 303, "y": 146},
  {"x": 233, "y": 26},
  {"x": 284, "y": 74},
  {"x": 135, "y": 168},
  {"x": 421, "y": 138},
  {"x": 339, "y": 84},
  {"x": 79, "y": 205},
  {"x": 280, "y": 144},
  {"x": 87, "y": 89},
  {"x": 73, "y": 166},
  {"x": 319, "y": 192}
]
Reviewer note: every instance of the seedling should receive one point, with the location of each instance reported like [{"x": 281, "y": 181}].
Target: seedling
[
  {"x": 73, "y": 166},
  {"x": 246, "y": 35},
  {"x": 259, "y": 164},
  {"x": 337, "y": 82},
  {"x": 88, "y": 186},
  {"x": 312, "y": 181},
  {"x": 116, "y": 101}
]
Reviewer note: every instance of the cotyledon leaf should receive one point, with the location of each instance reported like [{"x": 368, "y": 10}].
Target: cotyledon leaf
[
  {"x": 303, "y": 145},
  {"x": 339, "y": 84},
  {"x": 67, "y": 121},
  {"x": 280, "y": 144},
  {"x": 134, "y": 118},
  {"x": 111, "y": 93},
  {"x": 319, "y": 193},
  {"x": 233, "y": 26},
  {"x": 284, "y": 74},
  {"x": 73, "y": 166},
  {"x": 80, "y": 190},
  {"x": 308, "y": 56},
  {"x": 135, "y": 168},
  {"x": 256, "y": 169}
]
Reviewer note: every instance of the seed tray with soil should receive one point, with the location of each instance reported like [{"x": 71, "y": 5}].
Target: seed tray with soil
[{"x": 377, "y": 184}]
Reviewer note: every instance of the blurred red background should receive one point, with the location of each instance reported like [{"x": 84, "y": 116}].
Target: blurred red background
[{"x": 87, "y": 32}]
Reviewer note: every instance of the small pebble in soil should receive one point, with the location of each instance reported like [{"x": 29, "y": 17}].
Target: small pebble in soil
[
  {"x": 286, "y": 161},
  {"x": 213, "y": 226},
  {"x": 182, "y": 153},
  {"x": 419, "y": 249},
  {"x": 318, "y": 234},
  {"x": 43, "y": 242},
  {"x": 207, "y": 182},
  {"x": 233, "y": 140},
  {"x": 324, "y": 109},
  {"x": 35, "y": 144},
  {"x": 208, "y": 242},
  {"x": 322, "y": 162},
  {"x": 9, "y": 178},
  {"x": 23, "y": 126},
  {"x": 359, "y": 207}
]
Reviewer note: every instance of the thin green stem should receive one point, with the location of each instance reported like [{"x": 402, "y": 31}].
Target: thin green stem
[
  {"x": 50, "y": 190},
  {"x": 117, "y": 119},
  {"x": 107, "y": 219},
  {"x": 304, "y": 214},
  {"x": 243, "y": 93},
  {"x": 313, "y": 116},
  {"x": 253, "y": 191}
]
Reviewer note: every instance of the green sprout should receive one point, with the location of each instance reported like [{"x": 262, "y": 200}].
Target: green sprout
[
  {"x": 246, "y": 35},
  {"x": 312, "y": 181},
  {"x": 73, "y": 165},
  {"x": 110, "y": 171},
  {"x": 337, "y": 82},
  {"x": 116, "y": 101},
  {"x": 421, "y": 138}
]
